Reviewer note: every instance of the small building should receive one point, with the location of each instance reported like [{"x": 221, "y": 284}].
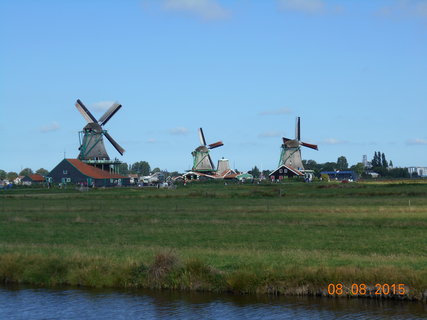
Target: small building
[
  {"x": 74, "y": 171},
  {"x": 348, "y": 175},
  {"x": 18, "y": 180},
  {"x": 285, "y": 171},
  {"x": 32, "y": 179},
  {"x": 133, "y": 178},
  {"x": 418, "y": 171}
]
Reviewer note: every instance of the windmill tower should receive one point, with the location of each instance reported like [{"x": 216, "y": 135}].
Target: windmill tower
[
  {"x": 92, "y": 148},
  {"x": 291, "y": 149},
  {"x": 202, "y": 161}
]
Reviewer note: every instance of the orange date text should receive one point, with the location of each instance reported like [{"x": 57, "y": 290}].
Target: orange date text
[{"x": 363, "y": 289}]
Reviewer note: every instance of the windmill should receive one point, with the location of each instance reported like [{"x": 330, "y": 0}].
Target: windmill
[
  {"x": 202, "y": 161},
  {"x": 92, "y": 148},
  {"x": 291, "y": 149}
]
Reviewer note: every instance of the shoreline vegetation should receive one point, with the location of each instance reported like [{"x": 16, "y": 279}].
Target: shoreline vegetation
[{"x": 278, "y": 239}]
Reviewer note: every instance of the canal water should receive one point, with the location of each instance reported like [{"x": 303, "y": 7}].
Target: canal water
[{"x": 30, "y": 303}]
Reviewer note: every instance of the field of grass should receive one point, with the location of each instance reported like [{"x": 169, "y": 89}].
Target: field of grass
[{"x": 289, "y": 238}]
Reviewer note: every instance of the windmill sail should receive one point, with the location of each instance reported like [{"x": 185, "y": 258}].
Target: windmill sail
[
  {"x": 85, "y": 112},
  {"x": 114, "y": 143},
  {"x": 202, "y": 137},
  {"x": 109, "y": 113},
  {"x": 215, "y": 145}
]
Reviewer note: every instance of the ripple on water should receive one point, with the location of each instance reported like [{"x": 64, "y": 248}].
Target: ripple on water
[{"x": 28, "y": 303}]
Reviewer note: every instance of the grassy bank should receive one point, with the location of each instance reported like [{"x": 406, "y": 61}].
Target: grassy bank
[{"x": 291, "y": 238}]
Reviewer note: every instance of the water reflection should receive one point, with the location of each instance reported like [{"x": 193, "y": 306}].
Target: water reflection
[{"x": 28, "y": 303}]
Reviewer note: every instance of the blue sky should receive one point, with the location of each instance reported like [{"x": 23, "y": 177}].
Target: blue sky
[{"x": 354, "y": 71}]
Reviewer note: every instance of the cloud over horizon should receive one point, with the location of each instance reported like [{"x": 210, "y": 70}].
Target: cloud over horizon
[
  {"x": 204, "y": 9},
  {"x": 54, "y": 126},
  {"x": 332, "y": 141},
  {"x": 178, "y": 131},
  {"x": 275, "y": 112},
  {"x": 269, "y": 134},
  {"x": 413, "y": 142},
  {"x": 305, "y": 6},
  {"x": 408, "y": 8}
]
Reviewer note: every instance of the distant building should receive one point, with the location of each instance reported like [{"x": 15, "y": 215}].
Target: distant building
[
  {"x": 421, "y": 171},
  {"x": 341, "y": 175},
  {"x": 74, "y": 171},
  {"x": 133, "y": 178},
  {"x": 18, "y": 180},
  {"x": 373, "y": 174},
  {"x": 366, "y": 163},
  {"x": 32, "y": 179}
]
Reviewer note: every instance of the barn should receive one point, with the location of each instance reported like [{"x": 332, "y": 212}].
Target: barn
[
  {"x": 32, "y": 179},
  {"x": 74, "y": 171},
  {"x": 285, "y": 171}
]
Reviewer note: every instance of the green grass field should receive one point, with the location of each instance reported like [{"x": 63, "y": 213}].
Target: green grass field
[{"x": 287, "y": 238}]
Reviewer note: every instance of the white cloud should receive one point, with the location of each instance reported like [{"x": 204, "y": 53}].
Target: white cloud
[
  {"x": 409, "y": 8},
  {"x": 269, "y": 134},
  {"x": 275, "y": 112},
  {"x": 178, "y": 131},
  {"x": 306, "y": 6},
  {"x": 332, "y": 141},
  {"x": 102, "y": 105},
  {"x": 54, "y": 126},
  {"x": 151, "y": 140},
  {"x": 416, "y": 142},
  {"x": 204, "y": 9}
]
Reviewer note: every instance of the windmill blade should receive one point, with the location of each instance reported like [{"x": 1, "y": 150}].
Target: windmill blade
[
  {"x": 202, "y": 137},
  {"x": 212, "y": 164},
  {"x": 109, "y": 113},
  {"x": 215, "y": 145},
  {"x": 85, "y": 112},
  {"x": 114, "y": 143},
  {"x": 309, "y": 145},
  {"x": 298, "y": 129}
]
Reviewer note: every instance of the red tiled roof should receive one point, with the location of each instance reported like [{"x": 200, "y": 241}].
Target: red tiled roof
[
  {"x": 93, "y": 172},
  {"x": 36, "y": 177}
]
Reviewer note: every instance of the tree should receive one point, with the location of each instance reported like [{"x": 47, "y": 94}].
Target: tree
[
  {"x": 26, "y": 172},
  {"x": 342, "y": 163},
  {"x": 398, "y": 173},
  {"x": 3, "y": 174},
  {"x": 174, "y": 174},
  {"x": 310, "y": 164},
  {"x": 255, "y": 172},
  {"x": 156, "y": 170},
  {"x": 141, "y": 168},
  {"x": 328, "y": 166},
  {"x": 124, "y": 168},
  {"x": 359, "y": 168},
  {"x": 376, "y": 161},
  {"x": 384, "y": 163},
  {"x": 391, "y": 164},
  {"x": 266, "y": 173},
  {"x": 42, "y": 172},
  {"x": 11, "y": 175}
]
